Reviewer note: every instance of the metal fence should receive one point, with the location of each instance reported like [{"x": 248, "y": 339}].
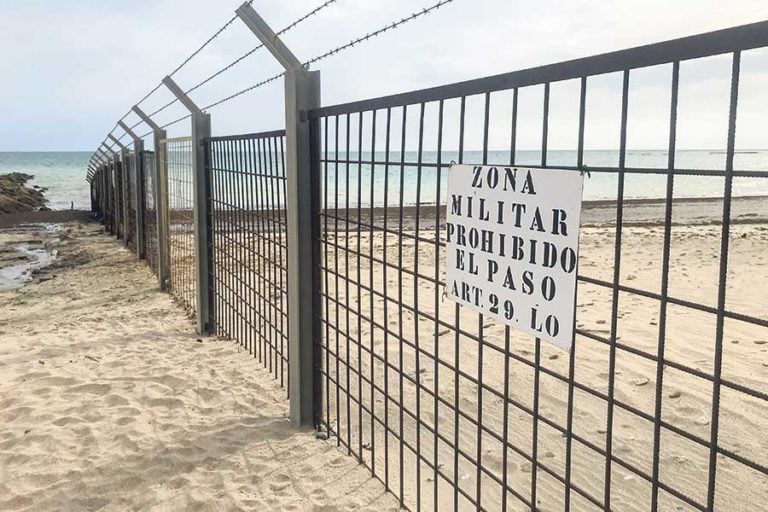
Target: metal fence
[
  {"x": 658, "y": 405},
  {"x": 130, "y": 201},
  {"x": 150, "y": 209},
  {"x": 453, "y": 411},
  {"x": 249, "y": 272},
  {"x": 181, "y": 235}
]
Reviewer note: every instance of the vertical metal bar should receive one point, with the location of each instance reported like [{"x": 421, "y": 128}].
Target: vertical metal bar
[
  {"x": 417, "y": 349},
  {"x": 537, "y": 355},
  {"x": 400, "y": 301},
  {"x": 256, "y": 168},
  {"x": 314, "y": 140},
  {"x": 572, "y": 355},
  {"x": 615, "y": 300},
  {"x": 480, "y": 343},
  {"x": 505, "y": 424},
  {"x": 664, "y": 285},
  {"x": 723, "y": 280},
  {"x": 436, "y": 361},
  {"x": 372, "y": 182},
  {"x": 348, "y": 364},
  {"x": 326, "y": 311},
  {"x": 386, "y": 299},
  {"x": 358, "y": 298},
  {"x": 456, "y": 351},
  {"x": 336, "y": 273},
  {"x": 302, "y": 93}
]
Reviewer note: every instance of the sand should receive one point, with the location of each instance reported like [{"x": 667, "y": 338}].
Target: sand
[
  {"x": 110, "y": 402},
  {"x": 130, "y": 410}
]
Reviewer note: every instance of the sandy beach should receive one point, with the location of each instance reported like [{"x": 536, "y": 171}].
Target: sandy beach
[{"x": 110, "y": 402}]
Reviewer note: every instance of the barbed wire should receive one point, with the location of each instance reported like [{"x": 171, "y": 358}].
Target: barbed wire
[
  {"x": 209, "y": 41},
  {"x": 240, "y": 93},
  {"x": 254, "y": 50},
  {"x": 386, "y": 28},
  {"x": 292, "y": 25},
  {"x": 391, "y": 26},
  {"x": 350, "y": 44}
]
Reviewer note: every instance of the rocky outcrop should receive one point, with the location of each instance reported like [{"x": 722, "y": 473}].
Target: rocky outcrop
[{"x": 16, "y": 196}]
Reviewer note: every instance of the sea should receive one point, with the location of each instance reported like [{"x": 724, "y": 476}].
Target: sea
[{"x": 63, "y": 174}]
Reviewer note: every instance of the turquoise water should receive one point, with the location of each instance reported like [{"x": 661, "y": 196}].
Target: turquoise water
[
  {"x": 598, "y": 186},
  {"x": 63, "y": 174}
]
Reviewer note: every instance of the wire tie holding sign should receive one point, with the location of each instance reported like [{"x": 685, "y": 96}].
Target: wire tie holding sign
[{"x": 585, "y": 170}]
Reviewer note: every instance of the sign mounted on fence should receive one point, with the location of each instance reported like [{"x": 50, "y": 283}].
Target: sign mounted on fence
[{"x": 512, "y": 246}]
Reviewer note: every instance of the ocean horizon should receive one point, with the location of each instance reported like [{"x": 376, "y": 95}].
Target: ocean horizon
[{"x": 62, "y": 174}]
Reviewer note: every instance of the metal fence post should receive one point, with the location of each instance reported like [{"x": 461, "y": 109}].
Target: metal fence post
[
  {"x": 123, "y": 186},
  {"x": 160, "y": 184},
  {"x": 201, "y": 132},
  {"x": 138, "y": 189},
  {"x": 302, "y": 93}
]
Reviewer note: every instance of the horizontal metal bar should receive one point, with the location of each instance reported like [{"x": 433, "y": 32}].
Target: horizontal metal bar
[
  {"x": 744, "y": 37},
  {"x": 175, "y": 139},
  {"x": 247, "y": 136}
]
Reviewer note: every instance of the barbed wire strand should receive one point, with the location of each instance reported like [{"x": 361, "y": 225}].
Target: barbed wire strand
[
  {"x": 294, "y": 24},
  {"x": 240, "y": 93},
  {"x": 391, "y": 26},
  {"x": 350, "y": 44},
  {"x": 254, "y": 50}
]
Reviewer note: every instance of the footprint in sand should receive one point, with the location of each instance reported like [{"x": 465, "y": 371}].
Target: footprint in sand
[
  {"x": 318, "y": 497},
  {"x": 115, "y": 401},
  {"x": 93, "y": 389},
  {"x": 66, "y": 420},
  {"x": 281, "y": 483}
]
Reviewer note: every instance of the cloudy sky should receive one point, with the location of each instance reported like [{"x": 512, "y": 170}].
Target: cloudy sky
[{"x": 70, "y": 69}]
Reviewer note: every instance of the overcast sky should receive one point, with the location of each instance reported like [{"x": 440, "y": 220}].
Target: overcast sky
[{"x": 70, "y": 69}]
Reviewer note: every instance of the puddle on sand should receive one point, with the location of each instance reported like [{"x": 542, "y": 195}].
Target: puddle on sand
[{"x": 30, "y": 255}]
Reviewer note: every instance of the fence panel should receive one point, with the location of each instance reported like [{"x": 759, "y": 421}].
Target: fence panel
[
  {"x": 119, "y": 201},
  {"x": 181, "y": 229},
  {"x": 130, "y": 192},
  {"x": 248, "y": 221},
  {"x": 452, "y": 410},
  {"x": 150, "y": 209}
]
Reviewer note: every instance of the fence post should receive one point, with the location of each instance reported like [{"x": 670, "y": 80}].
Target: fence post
[
  {"x": 138, "y": 189},
  {"x": 160, "y": 184},
  {"x": 302, "y": 93},
  {"x": 201, "y": 132},
  {"x": 123, "y": 186}
]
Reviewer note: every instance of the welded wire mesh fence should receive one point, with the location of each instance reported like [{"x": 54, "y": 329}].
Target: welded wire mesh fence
[
  {"x": 249, "y": 272},
  {"x": 661, "y": 403},
  {"x": 130, "y": 201},
  {"x": 181, "y": 235},
  {"x": 454, "y": 411},
  {"x": 150, "y": 209}
]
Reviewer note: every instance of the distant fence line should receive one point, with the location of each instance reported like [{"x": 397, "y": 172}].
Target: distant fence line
[{"x": 336, "y": 284}]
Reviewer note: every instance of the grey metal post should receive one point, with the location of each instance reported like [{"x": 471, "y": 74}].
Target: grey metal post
[
  {"x": 302, "y": 93},
  {"x": 138, "y": 189},
  {"x": 123, "y": 185},
  {"x": 160, "y": 184},
  {"x": 201, "y": 132}
]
